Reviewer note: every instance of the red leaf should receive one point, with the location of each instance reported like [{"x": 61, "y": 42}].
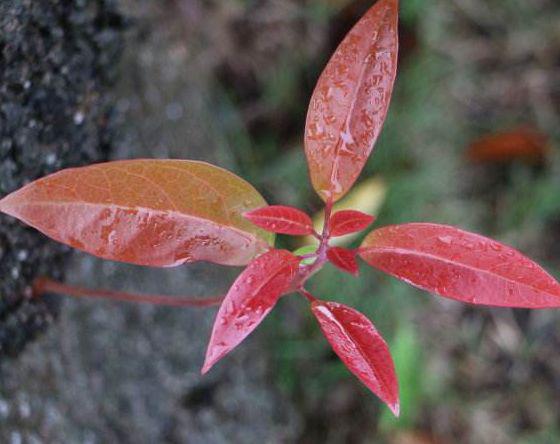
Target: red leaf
[
  {"x": 350, "y": 101},
  {"x": 460, "y": 265},
  {"x": 253, "y": 294},
  {"x": 349, "y": 221},
  {"x": 344, "y": 259},
  {"x": 281, "y": 219},
  {"x": 147, "y": 212},
  {"x": 362, "y": 349}
]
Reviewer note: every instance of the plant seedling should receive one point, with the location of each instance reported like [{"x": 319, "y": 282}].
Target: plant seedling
[{"x": 165, "y": 213}]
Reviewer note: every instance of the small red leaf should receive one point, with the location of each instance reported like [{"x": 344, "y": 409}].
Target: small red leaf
[
  {"x": 159, "y": 213},
  {"x": 350, "y": 102},
  {"x": 460, "y": 265},
  {"x": 344, "y": 259},
  {"x": 281, "y": 219},
  {"x": 362, "y": 349},
  {"x": 349, "y": 221},
  {"x": 251, "y": 297}
]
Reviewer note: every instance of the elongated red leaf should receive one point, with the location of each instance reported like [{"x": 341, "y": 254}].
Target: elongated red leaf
[
  {"x": 147, "y": 212},
  {"x": 344, "y": 259},
  {"x": 362, "y": 349},
  {"x": 253, "y": 294},
  {"x": 281, "y": 219},
  {"x": 460, "y": 265},
  {"x": 350, "y": 101},
  {"x": 349, "y": 221}
]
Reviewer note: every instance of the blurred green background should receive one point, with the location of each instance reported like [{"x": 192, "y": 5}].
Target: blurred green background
[
  {"x": 468, "y": 69},
  {"x": 472, "y": 139}
]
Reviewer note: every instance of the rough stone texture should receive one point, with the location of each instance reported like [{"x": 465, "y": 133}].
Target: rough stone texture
[
  {"x": 115, "y": 372},
  {"x": 55, "y": 59}
]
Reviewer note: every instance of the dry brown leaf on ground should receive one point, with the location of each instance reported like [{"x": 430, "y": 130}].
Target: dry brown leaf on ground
[{"x": 522, "y": 143}]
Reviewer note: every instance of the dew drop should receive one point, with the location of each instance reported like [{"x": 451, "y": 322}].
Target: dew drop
[
  {"x": 112, "y": 237},
  {"x": 447, "y": 240}
]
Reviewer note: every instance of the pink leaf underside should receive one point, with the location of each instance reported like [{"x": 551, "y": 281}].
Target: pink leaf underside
[
  {"x": 344, "y": 259},
  {"x": 281, "y": 219},
  {"x": 349, "y": 221},
  {"x": 350, "y": 101},
  {"x": 460, "y": 265},
  {"x": 251, "y": 297},
  {"x": 362, "y": 349},
  {"x": 147, "y": 212}
]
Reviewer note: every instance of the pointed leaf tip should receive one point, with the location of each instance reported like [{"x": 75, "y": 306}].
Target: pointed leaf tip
[
  {"x": 350, "y": 102},
  {"x": 460, "y": 265},
  {"x": 251, "y": 297},
  {"x": 281, "y": 219},
  {"x": 395, "y": 408},
  {"x": 361, "y": 348},
  {"x": 205, "y": 368}
]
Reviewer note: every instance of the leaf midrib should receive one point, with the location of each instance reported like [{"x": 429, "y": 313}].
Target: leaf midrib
[{"x": 404, "y": 251}]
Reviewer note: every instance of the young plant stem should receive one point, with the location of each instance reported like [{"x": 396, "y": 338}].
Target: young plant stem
[
  {"x": 45, "y": 285},
  {"x": 307, "y": 295},
  {"x": 306, "y": 271},
  {"x": 307, "y": 256},
  {"x": 316, "y": 235},
  {"x": 326, "y": 225}
]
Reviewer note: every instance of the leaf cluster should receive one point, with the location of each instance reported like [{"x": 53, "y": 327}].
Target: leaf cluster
[{"x": 165, "y": 213}]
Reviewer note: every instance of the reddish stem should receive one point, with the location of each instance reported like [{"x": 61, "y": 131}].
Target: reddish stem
[
  {"x": 326, "y": 225},
  {"x": 45, "y": 285},
  {"x": 307, "y": 256},
  {"x": 307, "y": 295},
  {"x": 306, "y": 271}
]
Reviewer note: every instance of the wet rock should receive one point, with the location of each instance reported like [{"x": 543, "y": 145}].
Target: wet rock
[
  {"x": 56, "y": 60},
  {"x": 126, "y": 373}
]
